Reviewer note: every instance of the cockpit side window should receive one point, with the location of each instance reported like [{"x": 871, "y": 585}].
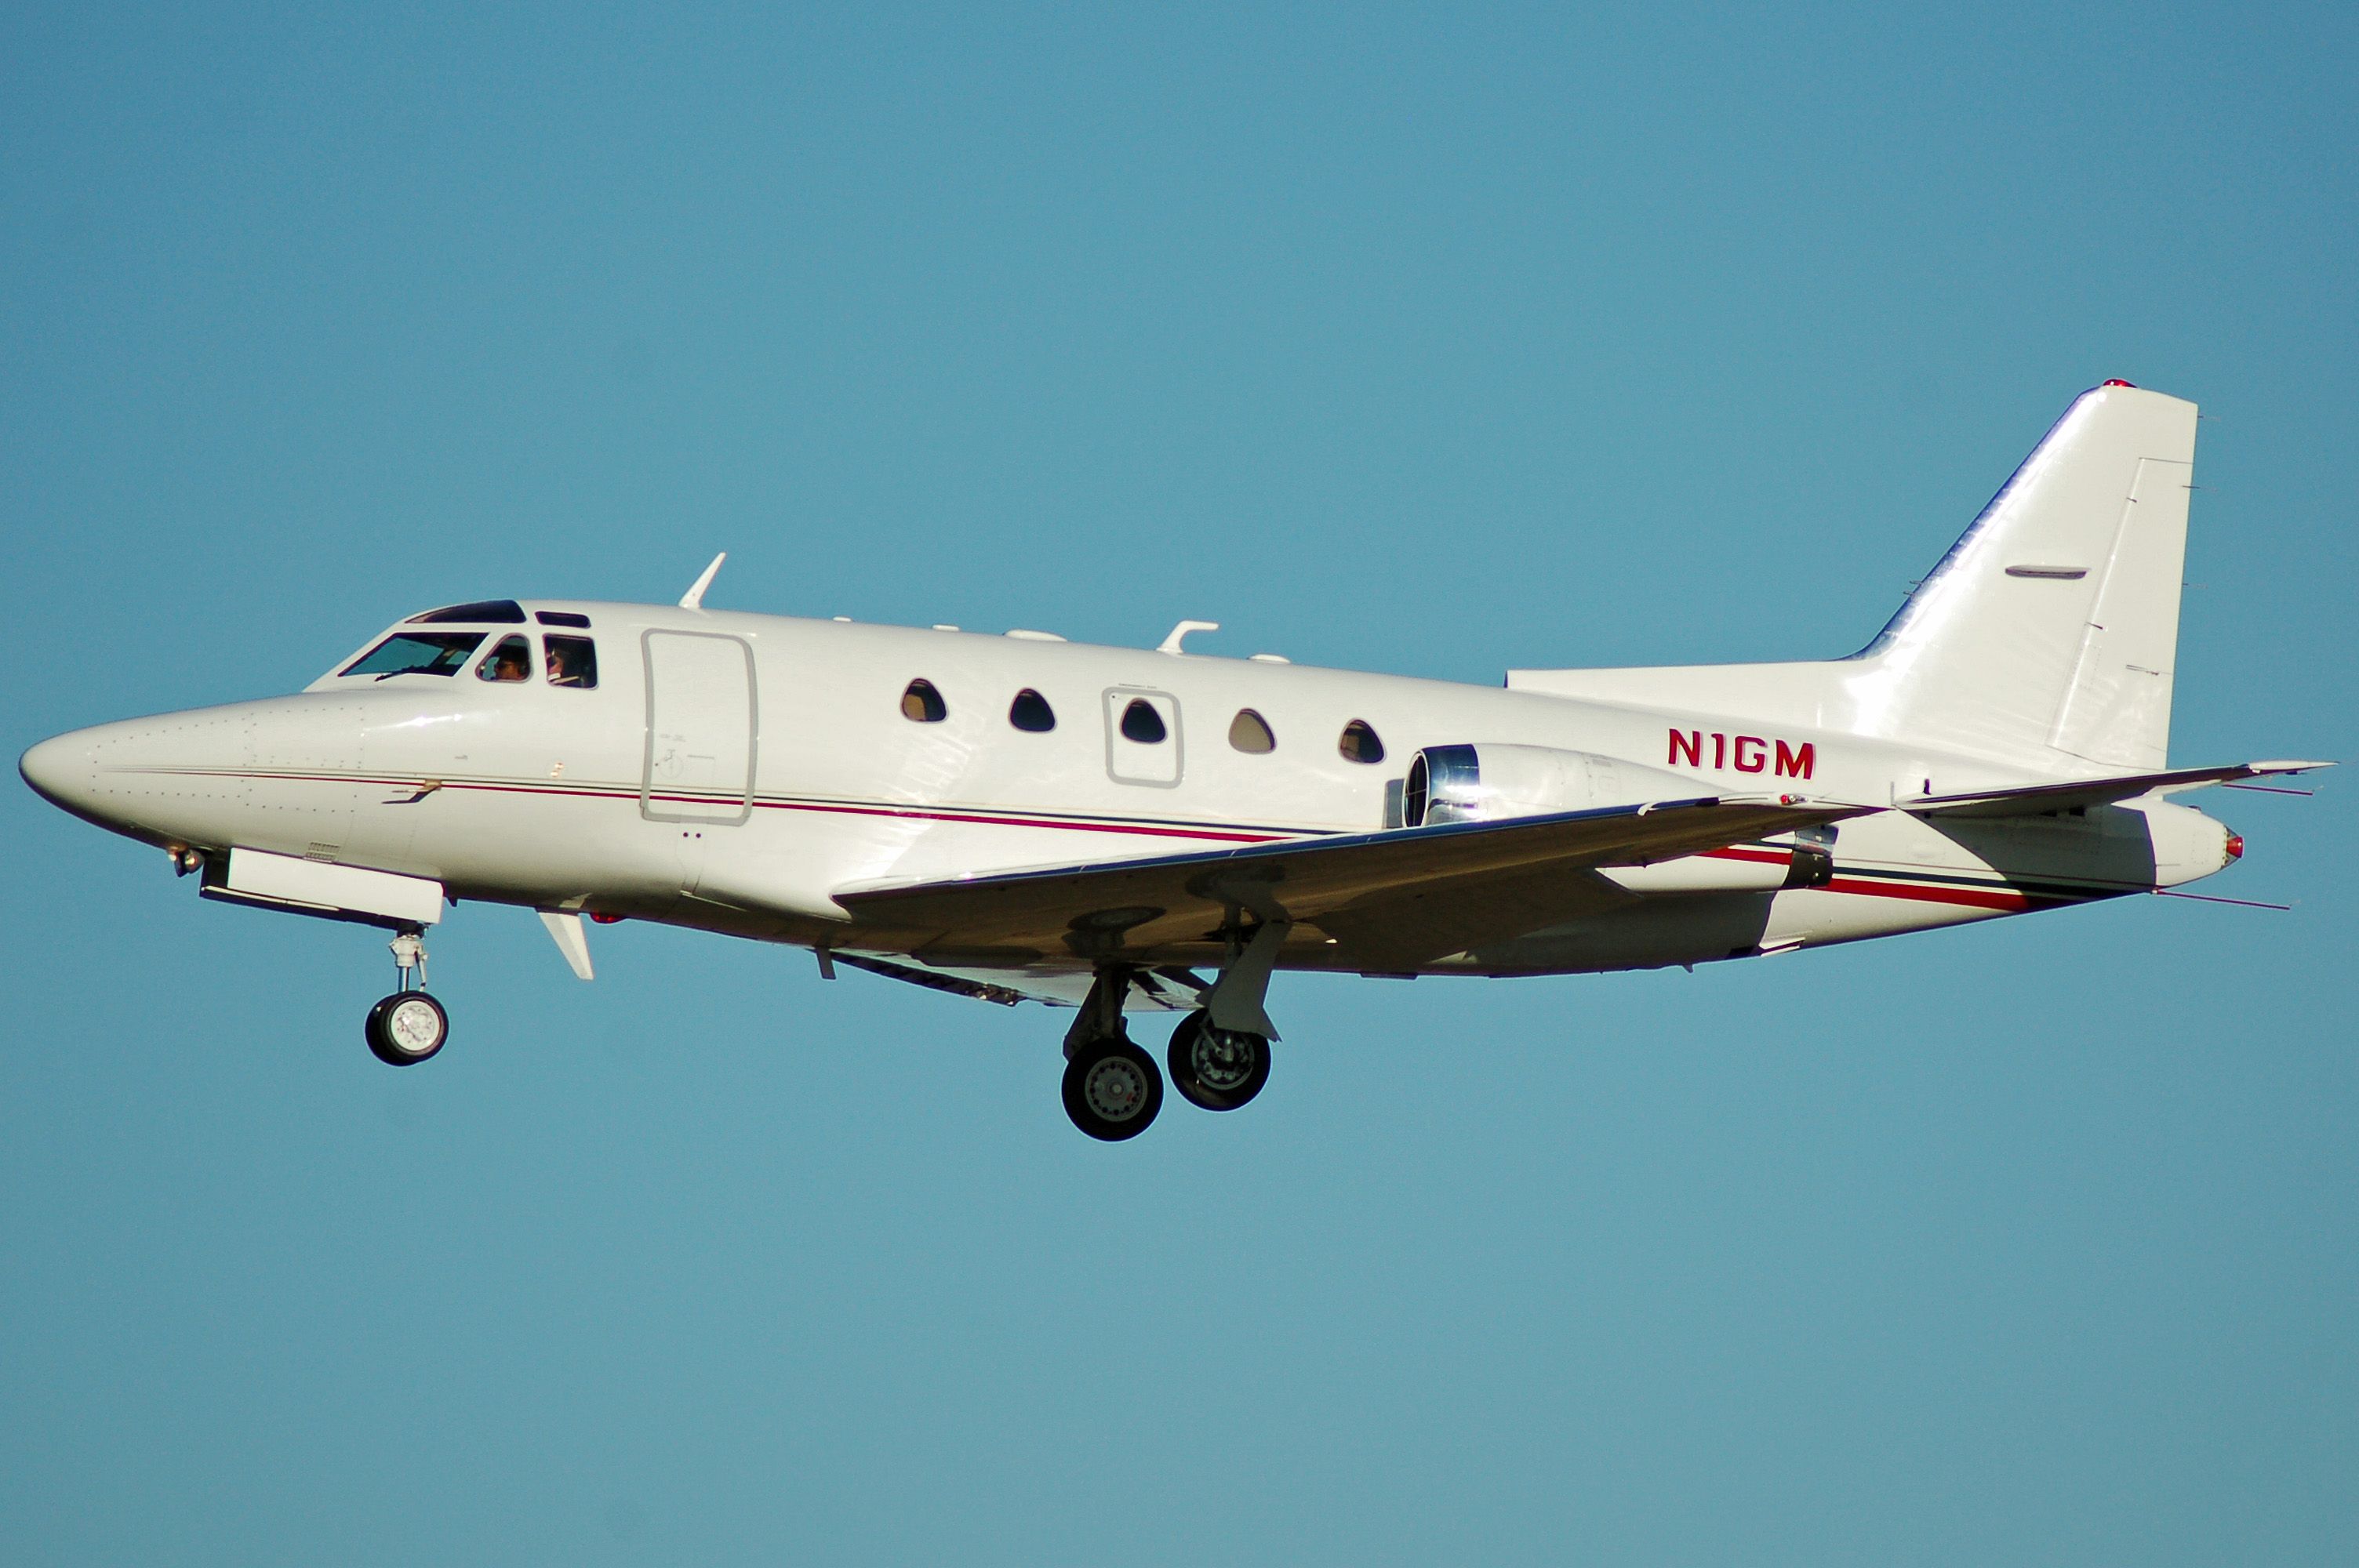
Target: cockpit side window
[
  {"x": 511, "y": 661},
  {"x": 572, "y": 661},
  {"x": 415, "y": 654}
]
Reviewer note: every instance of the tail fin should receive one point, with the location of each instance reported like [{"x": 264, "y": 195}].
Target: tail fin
[
  {"x": 2053, "y": 623},
  {"x": 2045, "y": 637}
]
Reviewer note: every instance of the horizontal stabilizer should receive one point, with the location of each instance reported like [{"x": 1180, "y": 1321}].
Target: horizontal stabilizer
[{"x": 2033, "y": 799}]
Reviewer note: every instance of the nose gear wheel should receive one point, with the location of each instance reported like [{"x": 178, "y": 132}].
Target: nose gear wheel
[{"x": 406, "y": 1028}]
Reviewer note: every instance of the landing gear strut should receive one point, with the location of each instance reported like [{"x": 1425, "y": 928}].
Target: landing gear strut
[
  {"x": 1112, "y": 1089},
  {"x": 408, "y": 1026}
]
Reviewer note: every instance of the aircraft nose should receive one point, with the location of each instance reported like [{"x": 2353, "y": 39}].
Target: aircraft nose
[{"x": 63, "y": 770}]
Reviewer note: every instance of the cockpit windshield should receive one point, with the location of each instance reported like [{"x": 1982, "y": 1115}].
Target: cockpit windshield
[{"x": 416, "y": 653}]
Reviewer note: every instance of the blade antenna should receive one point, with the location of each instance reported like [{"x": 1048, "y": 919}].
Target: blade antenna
[{"x": 694, "y": 598}]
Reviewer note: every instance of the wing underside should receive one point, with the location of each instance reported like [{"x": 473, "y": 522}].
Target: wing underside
[{"x": 1379, "y": 900}]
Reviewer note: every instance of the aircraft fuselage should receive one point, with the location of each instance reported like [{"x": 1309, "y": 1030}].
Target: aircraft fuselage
[{"x": 677, "y": 789}]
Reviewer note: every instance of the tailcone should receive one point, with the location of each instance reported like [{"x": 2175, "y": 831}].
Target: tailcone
[{"x": 2187, "y": 845}]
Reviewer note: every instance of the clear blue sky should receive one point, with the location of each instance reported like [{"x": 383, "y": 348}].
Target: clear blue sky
[{"x": 1437, "y": 341}]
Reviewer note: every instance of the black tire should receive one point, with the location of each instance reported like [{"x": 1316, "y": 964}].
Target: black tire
[
  {"x": 1112, "y": 1090},
  {"x": 1216, "y": 1069},
  {"x": 420, "y": 1035}
]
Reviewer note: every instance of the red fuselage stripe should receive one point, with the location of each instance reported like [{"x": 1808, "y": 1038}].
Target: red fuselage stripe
[{"x": 1995, "y": 898}]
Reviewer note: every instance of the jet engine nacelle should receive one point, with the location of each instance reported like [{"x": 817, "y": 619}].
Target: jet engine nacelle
[{"x": 1488, "y": 782}]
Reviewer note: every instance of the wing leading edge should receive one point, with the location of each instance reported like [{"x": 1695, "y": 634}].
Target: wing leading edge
[{"x": 1388, "y": 900}]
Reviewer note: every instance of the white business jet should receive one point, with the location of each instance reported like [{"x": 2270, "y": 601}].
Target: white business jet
[{"x": 1122, "y": 830}]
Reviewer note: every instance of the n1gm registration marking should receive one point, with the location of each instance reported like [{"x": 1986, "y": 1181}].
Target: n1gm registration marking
[{"x": 1745, "y": 753}]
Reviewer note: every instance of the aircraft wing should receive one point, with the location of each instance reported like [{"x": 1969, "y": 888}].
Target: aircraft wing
[
  {"x": 1389, "y": 898},
  {"x": 2031, "y": 798}
]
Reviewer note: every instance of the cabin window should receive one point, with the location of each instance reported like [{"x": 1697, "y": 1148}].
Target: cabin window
[
  {"x": 498, "y": 612},
  {"x": 511, "y": 661},
  {"x": 571, "y": 661},
  {"x": 1030, "y": 712},
  {"x": 416, "y": 653},
  {"x": 1360, "y": 744},
  {"x": 922, "y": 704},
  {"x": 1249, "y": 732},
  {"x": 1141, "y": 723}
]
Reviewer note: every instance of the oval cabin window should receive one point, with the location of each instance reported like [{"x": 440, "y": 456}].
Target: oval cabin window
[
  {"x": 1141, "y": 723},
  {"x": 1360, "y": 744},
  {"x": 1249, "y": 731},
  {"x": 922, "y": 704},
  {"x": 1030, "y": 711}
]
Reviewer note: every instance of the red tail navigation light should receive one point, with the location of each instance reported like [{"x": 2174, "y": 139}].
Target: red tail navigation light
[{"x": 2235, "y": 845}]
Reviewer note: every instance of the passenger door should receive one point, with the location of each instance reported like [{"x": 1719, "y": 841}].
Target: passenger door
[
  {"x": 1142, "y": 742},
  {"x": 701, "y": 729}
]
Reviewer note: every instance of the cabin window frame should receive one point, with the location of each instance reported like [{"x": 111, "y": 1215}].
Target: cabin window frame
[
  {"x": 1343, "y": 744},
  {"x": 933, "y": 707},
  {"x": 1047, "y": 709},
  {"x": 1119, "y": 747},
  {"x": 1260, "y": 723}
]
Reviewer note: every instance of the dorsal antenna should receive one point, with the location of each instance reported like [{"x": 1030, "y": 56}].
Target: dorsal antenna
[{"x": 694, "y": 598}]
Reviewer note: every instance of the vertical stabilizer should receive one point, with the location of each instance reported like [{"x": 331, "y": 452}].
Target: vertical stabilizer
[{"x": 2052, "y": 625}]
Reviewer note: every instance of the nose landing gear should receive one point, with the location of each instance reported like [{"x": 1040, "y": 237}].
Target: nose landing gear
[{"x": 408, "y": 1026}]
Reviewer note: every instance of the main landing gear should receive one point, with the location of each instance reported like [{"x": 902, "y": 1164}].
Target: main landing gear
[
  {"x": 1112, "y": 1089},
  {"x": 1217, "y": 1069},
  {"x": 408, "y": 1026}
]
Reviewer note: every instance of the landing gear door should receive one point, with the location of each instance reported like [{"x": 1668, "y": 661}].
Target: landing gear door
[{"x": 701, "y": 729}]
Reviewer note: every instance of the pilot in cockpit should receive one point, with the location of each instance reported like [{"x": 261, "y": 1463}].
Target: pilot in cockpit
[
  {"x": 511, "y": 661},
  {"x": 570, "y": 661}
]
